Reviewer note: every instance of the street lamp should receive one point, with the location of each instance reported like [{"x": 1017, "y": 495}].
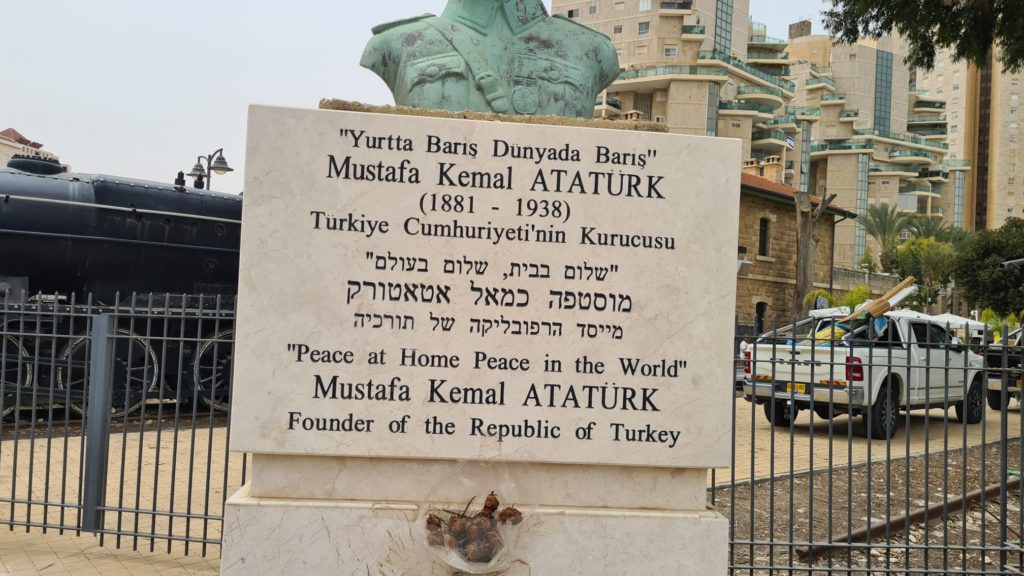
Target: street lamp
[{"x": 214, "y": 163}]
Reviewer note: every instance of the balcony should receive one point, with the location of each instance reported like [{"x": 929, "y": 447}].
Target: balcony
[
  {"x": 901, "y": 138},
  {"x": 926, "y": 119},
  {"x": 918, "y": 189},
  {"x": 786, "y": 122},
  {"x": 857, "y": 146},
  {"x": 781, "y": 83},
  {"x": 910, "y": 204},
  {"x": 676, "y": 8},
  {"x": 911, "y": 157},
  {"x": 822, "y": 82},
  {"x": 767, "y": 139},
  {"x": 849, "y": 115},
  {"x": 821, "y": 70},
  {"x": 929, "y": 105},
  {"x": 833, "y": 99},
  {"x": 659, "y": 77},
  {"x": 934, "y": 175},
  {"x": 767, "y": 58},
  {"x": 693, "y": 32},
  {"x": 891, "y": 170},
  {"x": 761, "y": 94},
  {"x": 724, "y": 106},
  {"x": 931, "y": 133},
  {"x": 802, "y": 112},
  {"x": 768, "y": 134},
  {"x": 763, "y": 40},
  {"x": 956, "y": 165}
]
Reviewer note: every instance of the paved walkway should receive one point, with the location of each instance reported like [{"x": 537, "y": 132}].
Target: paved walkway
[
  {"x": 146, "y": 480},
  {"x": 24, "y": 554},
  {"x": 777, "y": 452},
  {"x": 143, "y": 466}
]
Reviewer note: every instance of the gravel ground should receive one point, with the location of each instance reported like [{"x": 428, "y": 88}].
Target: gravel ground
[{"x": 811, "y": 507}]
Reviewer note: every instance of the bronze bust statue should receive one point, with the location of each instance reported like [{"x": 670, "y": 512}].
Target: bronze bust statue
[{"x": 505, "y": 56}]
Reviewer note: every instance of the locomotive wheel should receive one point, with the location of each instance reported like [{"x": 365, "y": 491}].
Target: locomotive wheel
[
  {"x": 17, "y": 371},
  {"x": 211, "y": 370},
  {"x": 136, "y": 371}
]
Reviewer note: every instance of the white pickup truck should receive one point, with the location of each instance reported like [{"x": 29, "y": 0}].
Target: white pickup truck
[{"x": 900, "y": 361}]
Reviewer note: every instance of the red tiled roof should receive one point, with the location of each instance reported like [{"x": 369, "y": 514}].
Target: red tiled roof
[
  {"x": 15, "y": 136},
  {"x": 768, "y": 185}
]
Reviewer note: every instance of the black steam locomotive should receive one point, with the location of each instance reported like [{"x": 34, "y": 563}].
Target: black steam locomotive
[{"x": 161, "y": 259}]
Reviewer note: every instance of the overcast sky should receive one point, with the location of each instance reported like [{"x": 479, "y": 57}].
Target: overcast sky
[{"x": 140, "y": 89}]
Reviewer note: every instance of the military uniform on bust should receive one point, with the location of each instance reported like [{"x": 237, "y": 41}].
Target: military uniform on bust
[{"x": 505, "y": 56}]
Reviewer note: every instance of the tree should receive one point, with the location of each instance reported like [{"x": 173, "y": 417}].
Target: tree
[
  {"x": 855, "y": 297},
  {"x": 927, "y": 227},
  {"x": 884, "y": 223},
  {"x": 930, "y": 261},
  {"x": 960, "y": 239},
  {"x": 867, "y": 261},
  {"x": 977, "y": 270},
  {"x": 971, "y": 28},
  {"x": 811, "y": 299},
  {"x": 807, "y": 215}
]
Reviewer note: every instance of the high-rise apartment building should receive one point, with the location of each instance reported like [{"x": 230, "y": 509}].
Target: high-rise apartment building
[
  {"x": 819, "y": 116},
  {"x": 875, "y": 142},
  {"x": 983, "y": 120}
]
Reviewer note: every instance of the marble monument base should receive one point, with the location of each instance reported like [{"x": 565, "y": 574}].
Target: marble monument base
[{"x": 594, "y": 531}]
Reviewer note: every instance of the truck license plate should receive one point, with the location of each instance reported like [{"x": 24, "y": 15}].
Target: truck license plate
[{"x": 795, "y": 387}]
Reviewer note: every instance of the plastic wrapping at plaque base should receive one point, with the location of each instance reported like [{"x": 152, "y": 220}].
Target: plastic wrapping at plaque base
[{"x": 473, "y": 541}]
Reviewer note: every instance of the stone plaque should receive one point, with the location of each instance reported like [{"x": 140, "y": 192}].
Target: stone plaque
[{"x": 417, "y": 287}]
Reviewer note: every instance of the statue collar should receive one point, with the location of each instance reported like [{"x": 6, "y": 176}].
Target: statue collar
[{"x": 480, "y": 14}]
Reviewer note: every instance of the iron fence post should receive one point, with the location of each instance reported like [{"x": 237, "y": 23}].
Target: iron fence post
[
  {"x": 97, "y": 425},
  {"x": 1004, "y": 433}
]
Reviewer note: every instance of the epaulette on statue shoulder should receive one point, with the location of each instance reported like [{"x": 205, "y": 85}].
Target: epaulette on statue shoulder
[
  {"x": 564, "y": 18},
  {"x": 390, "y": 25}
]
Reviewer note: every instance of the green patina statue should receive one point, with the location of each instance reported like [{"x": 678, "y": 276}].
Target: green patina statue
[{"x": 505, "y": 56}]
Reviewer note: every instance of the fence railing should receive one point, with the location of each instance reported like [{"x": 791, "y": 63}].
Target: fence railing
[
  {"x": 875, "y": 447},
  {"x": 116, "y": 419}
]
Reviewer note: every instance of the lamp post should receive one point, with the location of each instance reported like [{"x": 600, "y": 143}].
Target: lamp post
[{"x": 214, "y": 163}]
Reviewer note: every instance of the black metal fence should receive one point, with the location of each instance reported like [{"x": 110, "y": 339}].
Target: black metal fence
[
  {"x": 115, "y": 419},
  {"x": 885, "y": 448},
  {"x": 890, "y": 449}
]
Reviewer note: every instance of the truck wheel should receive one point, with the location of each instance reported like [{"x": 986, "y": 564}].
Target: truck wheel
[
  {"x": 995, "y": 400},
  {"x": 972, "y": 408},
  {"x": 882, "y": 418},
  {"x": 782, "y": 414}
]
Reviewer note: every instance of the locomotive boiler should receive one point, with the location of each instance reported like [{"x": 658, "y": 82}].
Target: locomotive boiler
[
  {"x": 104, "y": 235},
  {"x": 161, "y": 259}
]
